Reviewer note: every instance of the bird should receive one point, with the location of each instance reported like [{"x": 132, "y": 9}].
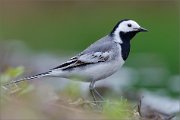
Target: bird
[{"x": 98, "y": 61}]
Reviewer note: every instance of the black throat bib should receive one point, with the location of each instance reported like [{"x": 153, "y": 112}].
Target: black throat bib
[{"x": 125, "y": 46}]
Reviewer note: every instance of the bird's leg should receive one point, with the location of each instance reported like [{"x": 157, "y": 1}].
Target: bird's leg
[
  {"x": 94, "y": 92},
  {"x": 91, "y": 88},
  {"x": 100, "y": 96}
]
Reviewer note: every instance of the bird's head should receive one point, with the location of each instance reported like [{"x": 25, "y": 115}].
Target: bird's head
[{"x": 125, "y": 30}]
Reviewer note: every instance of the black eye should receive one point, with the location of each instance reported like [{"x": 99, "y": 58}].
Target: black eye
[{"x": 129, "y": 25}]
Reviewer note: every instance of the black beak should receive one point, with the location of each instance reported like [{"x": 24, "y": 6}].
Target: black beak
[{"x": 142, "y": 29}]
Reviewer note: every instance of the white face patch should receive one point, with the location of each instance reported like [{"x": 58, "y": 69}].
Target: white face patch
[
  {"x": 128, "y": 26},
  {"x": 125, "y": 26}
]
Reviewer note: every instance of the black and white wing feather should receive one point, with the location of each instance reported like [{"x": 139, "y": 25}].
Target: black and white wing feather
[
  {"x": 100, "y": 51},
  {"x": 84, "y": 59}
]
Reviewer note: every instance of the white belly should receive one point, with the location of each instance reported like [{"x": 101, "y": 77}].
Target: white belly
[
  {"x": 101, "y": 71},
  {"x": 91, "y": 72}
]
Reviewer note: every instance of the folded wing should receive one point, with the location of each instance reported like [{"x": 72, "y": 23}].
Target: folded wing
[{"x": 84, "y": 59}]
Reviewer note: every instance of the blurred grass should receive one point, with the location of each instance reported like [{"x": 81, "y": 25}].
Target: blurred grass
[
  {"x": 118, "y": 109},
  {"x": 21, "y": 101},
  {"x": 63, "y": 27}
]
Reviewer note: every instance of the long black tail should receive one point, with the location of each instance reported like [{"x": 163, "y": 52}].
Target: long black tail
[{"x": 29, "y": 78}]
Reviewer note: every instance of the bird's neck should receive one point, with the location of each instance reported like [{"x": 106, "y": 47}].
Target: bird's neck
[
  {"x": 125, "y": 45},
  {"x": 125, "y": 49},
  {"x": 127, "y": 36},
  {"x": 123, "y": 39}
]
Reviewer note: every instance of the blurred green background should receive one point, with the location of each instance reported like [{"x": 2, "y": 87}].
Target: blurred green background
[{"x": 64, "y": 27}]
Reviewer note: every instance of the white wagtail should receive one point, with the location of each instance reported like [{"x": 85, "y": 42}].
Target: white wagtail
[{"x": 99, "y": 60}]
